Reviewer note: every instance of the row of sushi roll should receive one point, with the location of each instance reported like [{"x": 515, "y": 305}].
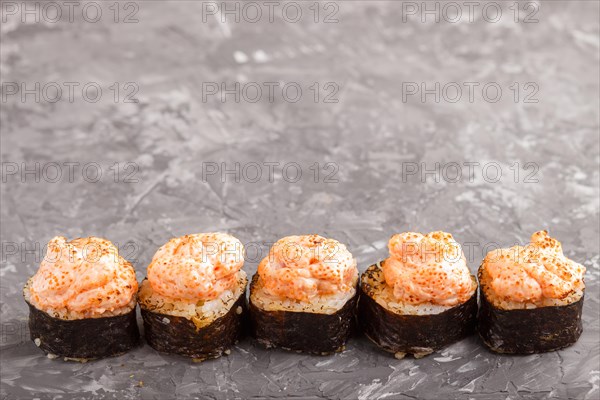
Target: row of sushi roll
[{"x": 306, "y": 296}]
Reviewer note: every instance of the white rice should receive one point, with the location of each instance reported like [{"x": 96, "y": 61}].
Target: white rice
[
  {"x": 65, "y": 314},
  {"x": 323, "y": 304},
  {"x": 383, "y": 294},
  {"x": 201, "y": 312}
]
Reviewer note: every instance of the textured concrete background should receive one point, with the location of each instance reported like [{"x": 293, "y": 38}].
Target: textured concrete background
[{"x": 166, "y": 144}]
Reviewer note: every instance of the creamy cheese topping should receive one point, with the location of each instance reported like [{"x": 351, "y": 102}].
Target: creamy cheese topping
[
  {"x": 85, "y": 275},
  {"x": 534, "y": 272},
  {"x": 303, "y": 267},
  {"x": 196, "y": 267},
  {"x": 428, "y": 268}
]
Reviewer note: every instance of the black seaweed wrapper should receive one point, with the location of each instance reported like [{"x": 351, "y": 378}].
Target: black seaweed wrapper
[
  {"x": 414, "y": 334},
  {"x": 178, "y": 335},
  {"x": 303, "y": 331},
  {"x": 84, "y": 339},
  {"x": 535, "y": 330}
]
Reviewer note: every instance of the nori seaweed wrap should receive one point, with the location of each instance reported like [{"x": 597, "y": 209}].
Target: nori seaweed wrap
[
  {"x": 531, "y": 298},
  {"x": 416, "y": 334},
  {"x": 526, "y": 331},
  {"x": 179, "y": 335},
  {"x": 82, "y": 301},
  {"x": 309, "y": 332},
  {"x": 194, "y": 300},
  {"x": 83, "y": 339},
  {"x": 303, "y": 296}
]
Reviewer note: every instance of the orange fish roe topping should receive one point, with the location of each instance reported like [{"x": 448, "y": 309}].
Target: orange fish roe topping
[
  {"x": 428, "y": 268},
  {"x": 196, "y": 267},
  {"x": 302, "y": 267},
  {"x": 83, "y": 275},
  {"x": 533, "y": 272}
]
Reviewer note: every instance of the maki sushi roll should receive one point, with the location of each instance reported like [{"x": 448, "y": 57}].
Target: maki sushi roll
[
  {"x": 303, "y": 296},
  {"x": 82, "y": 300},
  {"x": 421, "y": 298},
  {"x": 531, "y": 298},
  {"x": 193, "y": 301}
]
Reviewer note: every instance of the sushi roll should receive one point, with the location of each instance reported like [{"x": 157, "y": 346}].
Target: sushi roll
[
  {"x": 531, "y": 298},
  {"x": 193, "y": 300},
  {"x": 82, "y": 300},
  {"x": 421, "y": 298},
  {"x": 303, "y": 296}
]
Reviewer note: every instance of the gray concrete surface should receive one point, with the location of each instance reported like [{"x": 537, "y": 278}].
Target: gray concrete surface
[{"x": 373, "y": 146}]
